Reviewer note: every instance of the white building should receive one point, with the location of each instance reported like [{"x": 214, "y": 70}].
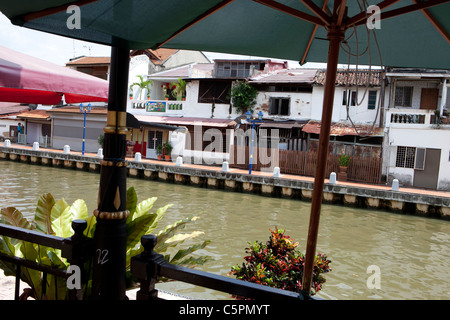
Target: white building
[{"x": 417, "y": 130}]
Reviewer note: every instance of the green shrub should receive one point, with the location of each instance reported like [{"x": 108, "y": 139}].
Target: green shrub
[{"x": 278, "y": 264}]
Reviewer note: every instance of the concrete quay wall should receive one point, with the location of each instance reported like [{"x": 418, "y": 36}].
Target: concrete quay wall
[{"x": 341, "y": 193}]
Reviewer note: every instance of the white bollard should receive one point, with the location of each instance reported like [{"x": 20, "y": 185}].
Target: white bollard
[
  {"x": 35, "y": 146},
  {"x": 276, "y": 172},
  {"x": 333, "y": 178},
  {"x": 7, "y": 143},
  {"x": 395, "y": 185},
  {"x": 137, "y": 156},
  {"x": 100, "y": 153},
  {"x": 66, "y": 149},
  {"x": 225, "y": 167},
  {"x": 179, "y": 161}
]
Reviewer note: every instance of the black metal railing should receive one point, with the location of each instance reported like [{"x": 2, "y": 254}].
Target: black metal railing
[
  {"x": 77, "y": 250},
  {"x": 148, "y": 266}
]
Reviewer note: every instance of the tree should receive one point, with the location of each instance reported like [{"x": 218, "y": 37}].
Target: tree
[{"x": 243, "y": 96}]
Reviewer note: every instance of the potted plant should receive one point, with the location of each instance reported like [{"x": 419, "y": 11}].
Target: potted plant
[
  {"x": 144, "y": 86},
  {"x": 179, "y": 91},
  {"x": 167, "y": 151},
  {"x": 344, "y": 161},
  {"x": 159, "y": 151}
]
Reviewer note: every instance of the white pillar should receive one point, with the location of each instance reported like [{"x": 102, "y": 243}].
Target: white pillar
[
  {"x": 100, "y": 153},
  {"x": 225, "y": 167},
  {"x": 7, "y": 143},
  {"x": 276, "y": 172},
  {"x": 66, "y": 149},
  {"x": 179, "y": 161},
  {"x": 395, "y": 185},
  {"x": 137, "y": 157},
  {"x": 35, "y": 146},
  {"x": 333, "y": 178}
]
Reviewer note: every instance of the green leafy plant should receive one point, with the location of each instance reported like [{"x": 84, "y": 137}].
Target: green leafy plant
[
  {"x": 180, "y": 89},
  {"x": 143, "y": 84},
  {"x": 167, "y": 148},
  {"x": 278, "y": 264},
  {"x": 159, "y": 149},
  {"x": 55, "y": 217},
  {"x": 344, "y": 160},
  {"x": 243, "y": 96}
]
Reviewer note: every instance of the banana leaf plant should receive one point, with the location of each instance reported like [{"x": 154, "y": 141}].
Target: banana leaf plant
[{"x": 55, "y": 218}]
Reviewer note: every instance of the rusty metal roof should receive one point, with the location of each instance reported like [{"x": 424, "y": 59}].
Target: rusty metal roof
[
  {"x": 345, "y": 129},
  {"x": 372, "y": 78}
]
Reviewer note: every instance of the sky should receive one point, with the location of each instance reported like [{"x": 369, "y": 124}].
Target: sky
[{"x": 60, "y": 50}]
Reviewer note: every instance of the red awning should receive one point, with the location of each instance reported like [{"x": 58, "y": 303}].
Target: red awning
[{"x": 26, "y": 79}]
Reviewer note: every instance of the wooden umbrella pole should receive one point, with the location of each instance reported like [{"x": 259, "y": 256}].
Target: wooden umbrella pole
[{"x": 335, "y": 36}]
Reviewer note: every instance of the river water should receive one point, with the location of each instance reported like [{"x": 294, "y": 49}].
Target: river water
[{"x": 411, "y": 253}]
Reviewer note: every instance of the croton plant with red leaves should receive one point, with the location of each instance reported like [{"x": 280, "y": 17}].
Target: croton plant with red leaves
[{"x": 278, "y": 264}]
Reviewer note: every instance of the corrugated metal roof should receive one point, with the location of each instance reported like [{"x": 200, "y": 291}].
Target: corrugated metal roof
[{"x": 345, "y": 129}]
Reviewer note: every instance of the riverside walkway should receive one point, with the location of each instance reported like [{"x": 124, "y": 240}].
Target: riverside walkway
[{"x": 433, "y": 203}]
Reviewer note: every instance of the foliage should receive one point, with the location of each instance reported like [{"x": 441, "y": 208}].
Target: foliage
[
  {"x": 243, "y": 96},
  {"x": 55, "y": 218},
  {"x": 100, "y": 140},
  {"x": 278, "y": 264},
  {"x": 344, "y": 160},
  {"x": 167, "y": 148},
  {"x": 159, "y": 149},
  {"x": 180, "y": 88},
  {"x": 143, "y": 84}
]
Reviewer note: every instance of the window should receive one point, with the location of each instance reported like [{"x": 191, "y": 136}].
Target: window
[
  {"x": 410, "y": 157},
  {"x": 349, "y": 94},
  {"x": 279, "y": 106},
  {"x": 403, "y": 96},
  {"x": 236, "y": 69},
  {"x": 372, "y": 100},
  {"x": 154, "y": 139},
  {"x": 214, "y": 92}
]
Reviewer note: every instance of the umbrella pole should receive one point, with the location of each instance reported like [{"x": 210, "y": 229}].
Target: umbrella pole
[
  {"x": 108, "y": 280},
  {"x": 335, "y": 36}
]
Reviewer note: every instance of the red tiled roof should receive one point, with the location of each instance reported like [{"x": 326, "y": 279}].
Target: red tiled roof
[
  {"x": 352, "y": 78},
  {"x": 89, "y": 61}
]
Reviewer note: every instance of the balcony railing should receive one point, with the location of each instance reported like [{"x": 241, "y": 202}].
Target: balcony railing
[
  {"x": 148, "y": 266},
  {"x": 411, "y": 117},
  {"x": 76, "y": 249},
  {"x": 157, "y": 107}
]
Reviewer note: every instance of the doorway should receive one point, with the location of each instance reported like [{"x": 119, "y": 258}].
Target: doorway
[{"x": 428, "y": 177}]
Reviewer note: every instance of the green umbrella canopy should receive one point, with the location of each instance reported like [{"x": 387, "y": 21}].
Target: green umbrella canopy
[{"x": 259, "y": 28}]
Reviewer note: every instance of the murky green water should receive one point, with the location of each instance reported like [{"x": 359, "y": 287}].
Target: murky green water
[{"x": 413, "y": 253}]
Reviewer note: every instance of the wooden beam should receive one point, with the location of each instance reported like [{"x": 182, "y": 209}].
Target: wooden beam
[
  {"x": 197, "y": 20},
  {"x": 435, "y": 23},
  {"x": 291, "y": 11},
  {"x": 50, "y": 11},
  {"x": 320, "y": 13},
  {"x": 308, "y": 46},
  {"x": 341, "y": 12}
]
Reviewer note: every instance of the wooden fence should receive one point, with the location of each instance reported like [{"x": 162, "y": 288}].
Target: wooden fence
[{"x": 304, "y": 163}]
